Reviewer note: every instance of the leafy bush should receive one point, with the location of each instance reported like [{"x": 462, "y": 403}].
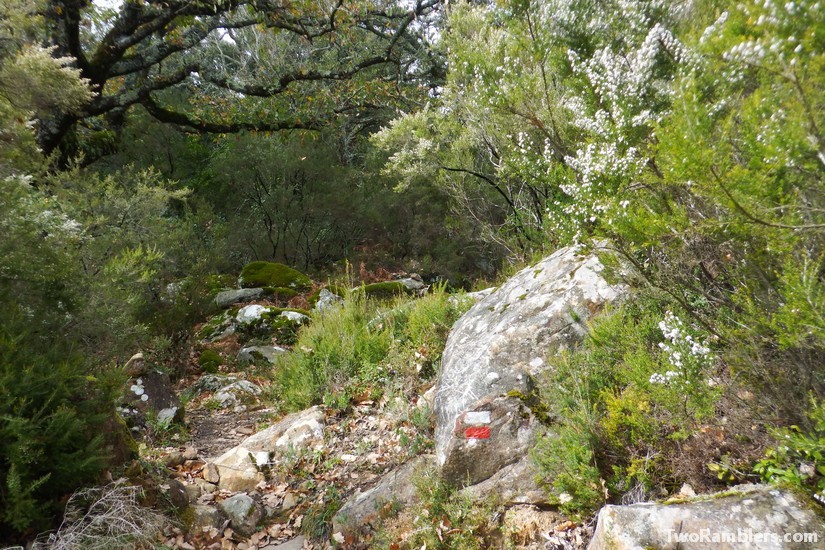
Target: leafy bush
[
  {"x": 799, "y": 457},
  {"x": 210, "y": 360},
  {"x": 270, "y": 274},
  {"x": 641, "y": 382},
  {"x": 52, "y": 413}
]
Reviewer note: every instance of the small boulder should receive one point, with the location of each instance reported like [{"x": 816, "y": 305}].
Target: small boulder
[
  {"x": 251, "y": 353},
  {"x": 151, "y": 393},
  {"x": 200, "y": 518},
  {"x": 241, "y": 468},
  {"x": 211, "y": 383},
  {"x": 228, "y": 297},
  {"x": 395, "y": 488},
  {"x": 295, "y": 316},
  {"x": 251, "y": 313},
  {"x": 327, "y": 300},
  {"x": 744, "y": 517},
  {"x": 413, "y": 282},
  {"x": 237, "y": 395},
  {"x": 211, "y": 473},
  {"x": 243, "y": 513}
]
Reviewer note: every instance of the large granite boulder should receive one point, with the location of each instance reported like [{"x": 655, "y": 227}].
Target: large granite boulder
[
  {"x": 496, "y": 349},
  {"x": 746, "y": 517},
  {"x": 242, "y": 467}
]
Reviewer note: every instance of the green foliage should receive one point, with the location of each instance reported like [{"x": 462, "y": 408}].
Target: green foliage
[
  {"x": 210, "y": 360},
  {"x": 385, "y": 290},
  {"x": 52, "y": 410},
  {"x": 641, "y": 382},
  {"x": 329, "y": 353},
  {"x": 269, "y": 274},
  {"x": 444, "y": 517},
  {"x": 798, "y": 459},
  {"x": 348, "y": 352}
]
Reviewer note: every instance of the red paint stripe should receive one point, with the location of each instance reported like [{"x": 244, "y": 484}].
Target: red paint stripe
[{"x": 477, "y": 433}]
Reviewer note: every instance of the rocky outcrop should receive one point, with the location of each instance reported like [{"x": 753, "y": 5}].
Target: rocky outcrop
[
  {"x": 495, "y": 350},
  {"x": 269, "y": 353},
  {"x": 396, "y": 489},
  {"x": 228, "y": 297},
  {"x": 746, "y": 517},
  {"x": 241, "y": 468},
  {"x": 512, "y": 485}
]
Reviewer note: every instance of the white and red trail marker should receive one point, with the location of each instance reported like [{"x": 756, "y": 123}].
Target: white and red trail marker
[{"x": 474, "y": 430}]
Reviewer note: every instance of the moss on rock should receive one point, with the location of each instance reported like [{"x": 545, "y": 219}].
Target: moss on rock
[
  {"x": 271, "y": 274},
  {"x": 281, "y": 292},
  {"x": 210, "y": 360}
]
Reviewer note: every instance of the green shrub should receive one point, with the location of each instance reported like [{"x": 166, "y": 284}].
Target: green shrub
[
  {"x": 210, "y": 360},
  {"x": 52, "y": 413},
  {"x": 330, "y": 353},
  {"x": 353, "y": 351},
  {"x": 640, "y": 382},
  {"x": 317, "y": 522},
  {"x": 446, "y": 518},
  {"x": 798, "y": 459},
  {"x": 270, "y": 274},
  {"x": 385, "y": 290}
]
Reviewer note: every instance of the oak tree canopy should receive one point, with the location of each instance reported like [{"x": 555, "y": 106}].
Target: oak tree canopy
[{"x": 223, "y": 66}]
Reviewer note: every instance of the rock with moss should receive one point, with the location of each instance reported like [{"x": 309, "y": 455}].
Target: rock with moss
[
  {"x": 251, "y": 354},
  {"x": 746, "y": 517},
  {"x": 271, "y": 274},
  {"x": 226, "y": 298},
  {"x": 256, "y": 321},
  {"x": 219, "y": 326}
]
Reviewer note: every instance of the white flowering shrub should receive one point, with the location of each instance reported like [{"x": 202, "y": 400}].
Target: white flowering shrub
[{"x": 688, "y": 358}]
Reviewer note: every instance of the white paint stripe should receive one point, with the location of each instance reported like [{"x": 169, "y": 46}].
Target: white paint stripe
[{"x": 477, "y": 417}]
